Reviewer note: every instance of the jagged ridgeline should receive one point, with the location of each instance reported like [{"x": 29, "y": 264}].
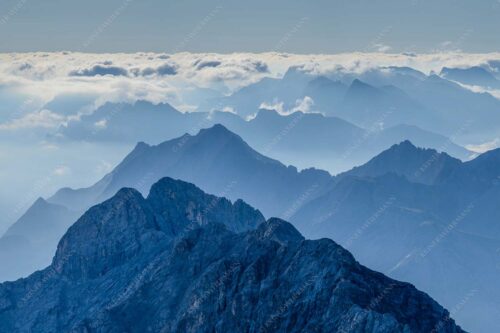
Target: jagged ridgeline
[{"x": 181, "y": 260}]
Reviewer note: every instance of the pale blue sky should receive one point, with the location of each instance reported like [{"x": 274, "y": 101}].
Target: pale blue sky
[{"x": 255, "y": 26}]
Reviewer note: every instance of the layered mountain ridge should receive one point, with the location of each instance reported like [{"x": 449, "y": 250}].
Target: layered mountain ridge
[
  {"x": 176, "y": 262},
  {"x": 310, "y": 134},
  {"x": 399, "y": 203},
  {"x": 216, "y": 159}
]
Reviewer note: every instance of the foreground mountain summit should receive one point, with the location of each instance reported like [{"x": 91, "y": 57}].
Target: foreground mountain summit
[{"x": 184, "y": 261}]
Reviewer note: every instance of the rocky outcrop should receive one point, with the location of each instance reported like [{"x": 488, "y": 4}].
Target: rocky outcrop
[{"x": 184, "y": 261}]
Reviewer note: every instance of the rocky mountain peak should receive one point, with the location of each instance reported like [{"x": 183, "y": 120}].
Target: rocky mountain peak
[
  {"x": 120, "y": 268},
  {"x": 118, "y": 229}
]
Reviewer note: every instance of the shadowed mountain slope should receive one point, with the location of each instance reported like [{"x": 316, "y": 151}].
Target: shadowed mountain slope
[{"x": 169, "y": 264}]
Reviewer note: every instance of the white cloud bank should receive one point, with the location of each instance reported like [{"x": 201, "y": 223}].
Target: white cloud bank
[
  {"x": 484, "y": 147},
  {"x": 177, "y": 78},
  {"x": 304, "y": 105}
]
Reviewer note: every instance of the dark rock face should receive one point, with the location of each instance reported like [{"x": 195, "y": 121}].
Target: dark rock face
[
  {"x": 140, "y": 225},
  {"x": 184, "y": 261}
]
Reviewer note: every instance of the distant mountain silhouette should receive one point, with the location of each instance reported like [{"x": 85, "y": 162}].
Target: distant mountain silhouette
[
  {"x": 474, "y": 76},
  {"x": 449, "y": 106},
  {"x": 215, "y": 159},
  {"x": 30, "y": 241},
  {"x": 325, "y": 93},
  {"x": 124, "y": 122},
  {"x": 417, "y": 165},
  {"x": 301, "y": 139},
  {"x": 390, "y": 96},
  {"x": 247, "y": 100},
  {"x": 365, "y": 105}
]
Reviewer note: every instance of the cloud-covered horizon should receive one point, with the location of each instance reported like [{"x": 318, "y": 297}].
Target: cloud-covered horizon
[{"x": 34, "y": 80}]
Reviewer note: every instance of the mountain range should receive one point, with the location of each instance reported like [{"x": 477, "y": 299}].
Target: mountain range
[
  {"x": 333, "y": 178},
  {"x": 299, "y": 138},
  {"x": 420, "y": 216},
  {"x": 427, "y": 214},
  {"x": 215, "y": 159},
  {"x": 474, "y": 76},
  {"x": 184, "y": 261},
  {"x": 389, "y": 96}
]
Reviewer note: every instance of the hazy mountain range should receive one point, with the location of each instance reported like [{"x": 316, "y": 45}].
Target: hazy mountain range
[
  {"x": 473, "y": 76},
  {"x": 366, "y": 106},
  {"x": 409, "y": 212},
  {"x": 331, "y": 147},
  {"x": 422, "y": 217},
  {"x": 301, "y": 139},
  {"x": 389, "y": 96},
  {"x": 182, "y": 260}
]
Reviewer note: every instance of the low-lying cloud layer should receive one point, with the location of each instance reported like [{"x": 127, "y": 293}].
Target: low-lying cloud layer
[
  {"x": 183, "y": 80},
  {"x": 301, "y": 105}
]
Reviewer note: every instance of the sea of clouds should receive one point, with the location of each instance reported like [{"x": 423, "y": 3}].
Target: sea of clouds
[{"x": 28, "y": 81}]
